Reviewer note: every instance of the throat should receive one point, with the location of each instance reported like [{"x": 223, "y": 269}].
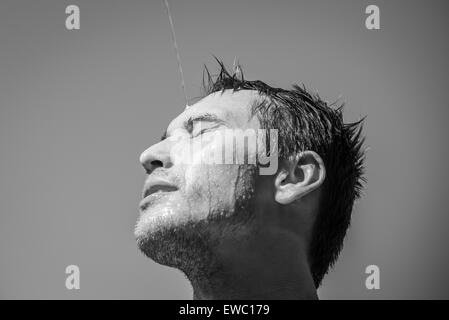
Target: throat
[{"x": 264, "y": 273}]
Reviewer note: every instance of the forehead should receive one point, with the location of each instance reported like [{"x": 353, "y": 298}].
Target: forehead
[{"x": 232, "y": 107}]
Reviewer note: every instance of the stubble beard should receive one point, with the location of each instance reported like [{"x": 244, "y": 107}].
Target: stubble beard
[{"x": 192, "y": 246}]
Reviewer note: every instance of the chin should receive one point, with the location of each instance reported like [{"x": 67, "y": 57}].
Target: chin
[
  {"x": 173, "y": 238},
  {"x": 154, "y": 219},
  {"x": 163, "y": 218}
]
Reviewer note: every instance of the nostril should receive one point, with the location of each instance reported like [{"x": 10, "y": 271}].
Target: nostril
[{"x": 156, "y": 163}]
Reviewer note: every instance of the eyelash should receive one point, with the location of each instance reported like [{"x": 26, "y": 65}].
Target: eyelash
[{"x": 200, "y": 133}]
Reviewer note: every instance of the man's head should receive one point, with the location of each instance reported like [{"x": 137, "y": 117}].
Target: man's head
[{"x": 195, "y": 212}]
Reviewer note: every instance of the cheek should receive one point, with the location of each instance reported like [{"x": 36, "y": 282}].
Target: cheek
[
  {"x": 181, "y": 151},
  {"x": 197, "y": 151},
  {"x": 211, "y": 186}
]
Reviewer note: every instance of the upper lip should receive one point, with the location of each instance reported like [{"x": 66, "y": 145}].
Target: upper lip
[{"x": 155, "y": 184}]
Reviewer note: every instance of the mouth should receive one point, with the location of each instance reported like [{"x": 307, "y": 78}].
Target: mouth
[{"x": 155, "y": 189}]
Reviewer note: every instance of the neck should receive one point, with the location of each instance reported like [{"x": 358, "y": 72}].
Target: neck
[{"x": 272, "y": 268}]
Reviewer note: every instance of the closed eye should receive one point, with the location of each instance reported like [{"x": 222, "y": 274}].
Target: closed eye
[
  {"x": 199, "y": 129},
  {"x": 198, "y": 125}
]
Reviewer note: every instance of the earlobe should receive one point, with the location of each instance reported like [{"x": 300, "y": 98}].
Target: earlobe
[{"x": 299, "y": 177}]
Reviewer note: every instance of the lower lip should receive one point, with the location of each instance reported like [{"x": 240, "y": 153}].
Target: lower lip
[{"x": 150, "y": 199}]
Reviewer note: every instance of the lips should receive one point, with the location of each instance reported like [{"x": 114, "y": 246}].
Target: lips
[
  {"x": 158, "y": 188},
  {"x": 155, "y": 186}
]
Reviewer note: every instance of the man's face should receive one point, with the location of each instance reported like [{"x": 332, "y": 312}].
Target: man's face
[{"x": 180, "y": 194}]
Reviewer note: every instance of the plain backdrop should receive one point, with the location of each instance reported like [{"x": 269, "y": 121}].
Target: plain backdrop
[{"x": 78, "y": 107}]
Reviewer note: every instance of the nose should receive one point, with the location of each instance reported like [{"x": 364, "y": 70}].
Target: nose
[{"x": 156, "y": 156}]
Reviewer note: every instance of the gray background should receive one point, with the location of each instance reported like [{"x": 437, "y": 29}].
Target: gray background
[{"x": 78, "y": 107}]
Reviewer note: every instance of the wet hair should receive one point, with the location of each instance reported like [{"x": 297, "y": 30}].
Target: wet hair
[{"x": 305, "y": 122}]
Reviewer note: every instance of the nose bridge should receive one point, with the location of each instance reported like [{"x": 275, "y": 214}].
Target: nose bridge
[{"x": 158, "y": 155}]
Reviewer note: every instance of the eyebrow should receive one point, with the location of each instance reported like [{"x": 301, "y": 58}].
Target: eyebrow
[{"x": 188, "y": 124}]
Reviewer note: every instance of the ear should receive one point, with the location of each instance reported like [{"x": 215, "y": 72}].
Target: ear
[{"x": 299, "y": 177}]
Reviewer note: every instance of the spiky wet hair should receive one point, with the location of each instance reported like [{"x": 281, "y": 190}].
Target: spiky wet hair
[{"x": 305, "y": 122}]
